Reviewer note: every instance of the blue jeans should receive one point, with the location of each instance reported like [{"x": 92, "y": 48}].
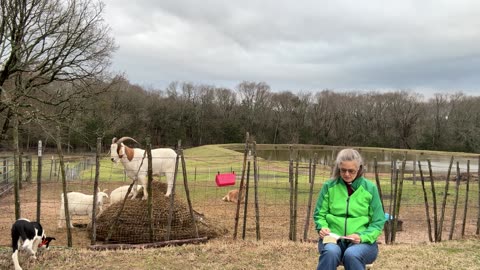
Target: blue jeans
[{"x": 353, "y": 256}]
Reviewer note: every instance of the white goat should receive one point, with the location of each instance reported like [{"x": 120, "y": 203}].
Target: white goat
[
  {"x": 118, "y": 194},
  {"x": 135, "y": 162},
  {"x": 80, "y": 204}
]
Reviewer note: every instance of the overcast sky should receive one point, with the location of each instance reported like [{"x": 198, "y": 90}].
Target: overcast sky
[{"x": 382, "y": 45}]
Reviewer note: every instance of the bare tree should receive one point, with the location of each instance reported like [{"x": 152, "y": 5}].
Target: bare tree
[
  {"x": 290, "y": 116},
  {"x": 45, "y": 41},
  {"x": 369, "y": 125},
  {"x": 226, "y": 101},
  {"x": 403, "y": 111},
  {"x": 343, "y": 115},
  {"x": 433, "y": 125},
  {"x": 463, "y": 123},
  {"x": 321, "y": 116},
  {"x": 255, "y": 102}
]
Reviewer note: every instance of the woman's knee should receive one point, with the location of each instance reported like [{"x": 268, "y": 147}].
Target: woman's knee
[
  {"x": 351, "y": 254},
  {"x": 364, "y": 253},
  {"x": 331, "y": 250}
]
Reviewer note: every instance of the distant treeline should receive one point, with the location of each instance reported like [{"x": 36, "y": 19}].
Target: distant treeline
[{"x": 205, "y": 114}]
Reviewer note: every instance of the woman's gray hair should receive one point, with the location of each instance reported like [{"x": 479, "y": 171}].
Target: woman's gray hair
[{"x": 347, "y": 155}]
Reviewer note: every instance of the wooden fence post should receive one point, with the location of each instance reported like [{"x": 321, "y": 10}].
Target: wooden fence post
[
  {"x": 172, "y": 199},
  {"x": 444, "y": 202},
  {"x": 466, "y": 199},
  {"x": 149, "y": 189},
  {"x": 457, "y": 187},
  {"x": 237, "y": 212},
  {"x": 477, "y": 232},
  {"x": 295, "y": 201},
  {"x": 29, "y": 169},
  {"x": 20, "y": 171},
  {"x": 255, "y": 183},
  {"x": 290, "y": 181},
  {"x": 64, "y": 187},
  {"x": 434, "y": 201},
  {"x": 245, "y": 208},
  {"x": 311, "y": 180},
  {"x": 39, "y": 180},
  {"x": 187, "y": 190},
  {"x": 427, "y": 211},
  {"x": 95, "y": 190},
  {"x": 399, "y": 190}
]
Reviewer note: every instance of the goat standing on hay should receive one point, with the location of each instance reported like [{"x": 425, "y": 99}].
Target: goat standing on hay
[{"x": 135, "y": 162}]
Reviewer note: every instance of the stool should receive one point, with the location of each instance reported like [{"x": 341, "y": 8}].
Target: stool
[{"x": 367, "y": 267}]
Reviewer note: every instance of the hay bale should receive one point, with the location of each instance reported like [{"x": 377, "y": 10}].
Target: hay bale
[{"x": 133, "y": 225}]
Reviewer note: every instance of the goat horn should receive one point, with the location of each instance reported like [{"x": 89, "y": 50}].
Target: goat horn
[
  {"x": 114, "y": 140},
  {"x": 126, "y": 138}
]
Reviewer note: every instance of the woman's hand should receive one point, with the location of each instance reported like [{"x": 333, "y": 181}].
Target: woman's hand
[
  {"x": 354, "y": 238},
  {"x": 323, "y": 232}
]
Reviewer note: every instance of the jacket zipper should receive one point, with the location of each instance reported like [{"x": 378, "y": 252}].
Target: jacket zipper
[{"x": 346, "y": 216}]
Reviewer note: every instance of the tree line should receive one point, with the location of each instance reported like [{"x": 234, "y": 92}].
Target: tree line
[{"x": 205, "y": 114}]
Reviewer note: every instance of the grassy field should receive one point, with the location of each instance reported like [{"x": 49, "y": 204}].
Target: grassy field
[{"x": 274, "y": 251}]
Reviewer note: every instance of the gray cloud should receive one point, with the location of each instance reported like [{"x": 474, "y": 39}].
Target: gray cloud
[{"x": 300, "y": 45}]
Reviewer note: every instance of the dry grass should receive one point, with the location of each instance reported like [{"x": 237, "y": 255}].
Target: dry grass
[{"x": 249, "y": 254}]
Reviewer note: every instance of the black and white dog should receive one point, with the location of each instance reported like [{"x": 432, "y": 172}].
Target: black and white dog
[{"x": 29, "y": 236}]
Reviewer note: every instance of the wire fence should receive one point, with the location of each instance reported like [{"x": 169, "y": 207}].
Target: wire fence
[{"x": 266, "y": 210}]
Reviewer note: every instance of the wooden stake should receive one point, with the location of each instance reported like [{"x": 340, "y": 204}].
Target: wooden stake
[
  {"x": 95, "y": 189},
  {"x": 64, "y": 186},
  {"x": 255, "y": 182},
  {"x": 478, "y": 214},
  {"x": 187, "y": 191},
  {"x": 246, "y": 201},
  {"x": 434, "y": 201},
  {"x": 290, "y": 181},
  {"x": 237, "y": 212},
  {"x": 457, "y": 187},
  {"x": 39, "y": 180},
  {"x": 425, "y": 198},
  {"x": 172, "y": 200},
  {"x": 311, "y": 181},
  {"x": 466, "y": 199},
  {"x": 444, "y": 202},
  {"x": 149, "y": 189}
]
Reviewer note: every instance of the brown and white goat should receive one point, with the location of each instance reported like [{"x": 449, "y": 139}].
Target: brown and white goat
[{"x": 135, "y": 162}]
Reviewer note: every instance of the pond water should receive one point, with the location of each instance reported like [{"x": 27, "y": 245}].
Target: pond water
[{"x": 439, "y": 161}]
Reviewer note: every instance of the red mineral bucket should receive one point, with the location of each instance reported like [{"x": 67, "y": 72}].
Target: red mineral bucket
[{"x": 225, "y": 179}]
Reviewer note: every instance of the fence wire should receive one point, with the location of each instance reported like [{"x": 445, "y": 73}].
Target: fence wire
[{"x": 216, "y": 217}]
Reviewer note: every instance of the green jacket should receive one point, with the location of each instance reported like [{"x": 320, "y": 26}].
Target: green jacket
[{"x": 361, "y": 213}]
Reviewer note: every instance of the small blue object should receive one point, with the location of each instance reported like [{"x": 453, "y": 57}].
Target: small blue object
[{"x": 387, "y": 216}]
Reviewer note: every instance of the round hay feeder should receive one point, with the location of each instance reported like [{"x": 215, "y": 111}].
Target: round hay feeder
[{"x": 133, "y": 226}]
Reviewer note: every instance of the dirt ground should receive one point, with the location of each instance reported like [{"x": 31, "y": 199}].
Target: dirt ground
[{"x": 275, "y": 251}]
